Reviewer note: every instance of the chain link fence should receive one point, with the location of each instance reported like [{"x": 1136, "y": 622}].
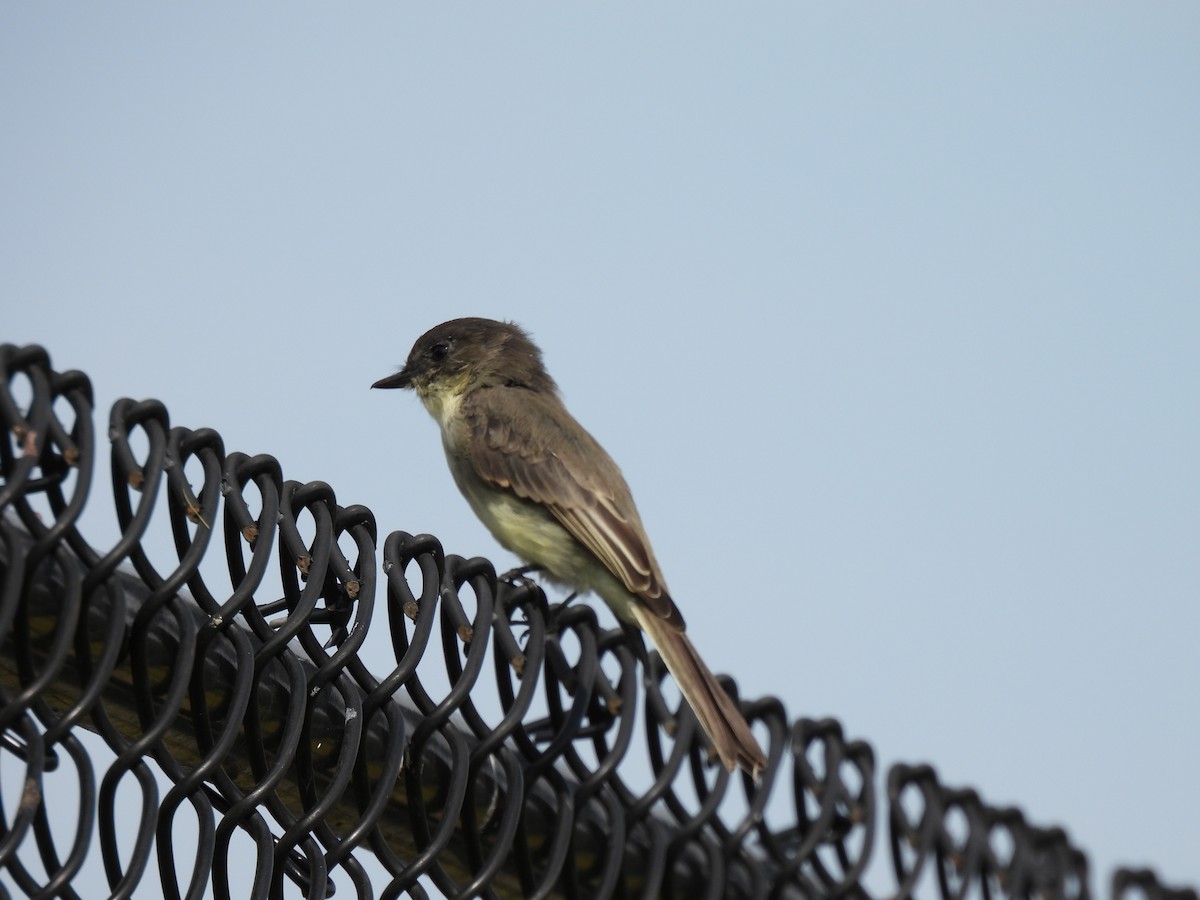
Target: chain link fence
[{"x": 494, "y": 759}]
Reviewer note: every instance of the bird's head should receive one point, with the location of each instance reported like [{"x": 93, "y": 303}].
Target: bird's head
[{"x": 462, "y": 354}]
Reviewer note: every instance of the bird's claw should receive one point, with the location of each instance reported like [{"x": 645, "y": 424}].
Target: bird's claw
[{"x": 518, "y": 576}]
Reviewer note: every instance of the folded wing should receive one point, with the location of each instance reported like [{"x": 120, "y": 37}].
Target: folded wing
[{"x": 526, "y": 442}]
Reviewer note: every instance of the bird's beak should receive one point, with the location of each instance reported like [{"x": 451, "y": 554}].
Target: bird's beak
[{"x": 402, "y": 379}]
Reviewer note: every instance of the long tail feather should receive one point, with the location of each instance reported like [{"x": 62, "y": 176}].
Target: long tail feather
[{"x": 722, "y": 721}]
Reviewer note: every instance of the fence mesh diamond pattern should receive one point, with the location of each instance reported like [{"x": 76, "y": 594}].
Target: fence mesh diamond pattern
[{"x": 231, "y": 693}]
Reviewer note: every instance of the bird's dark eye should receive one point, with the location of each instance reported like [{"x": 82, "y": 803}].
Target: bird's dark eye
[{"x": 439, "y": 351}]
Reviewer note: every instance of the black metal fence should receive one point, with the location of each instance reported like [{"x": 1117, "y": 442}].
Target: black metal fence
[{"x": 247, "y": 710}]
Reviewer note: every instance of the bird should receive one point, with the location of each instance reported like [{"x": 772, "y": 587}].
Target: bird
[{"x": 549, "y": 493}]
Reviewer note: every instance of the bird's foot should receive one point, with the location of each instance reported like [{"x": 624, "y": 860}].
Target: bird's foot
[
  {"x": 518, "y": 578},
  {"x": 637, "y": 642},
  {"x": 559, "y": 608},
  {"x": 518, "y": 575}
]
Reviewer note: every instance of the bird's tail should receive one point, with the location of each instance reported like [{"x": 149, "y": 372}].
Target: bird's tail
[{"x": 718, "y": 714}]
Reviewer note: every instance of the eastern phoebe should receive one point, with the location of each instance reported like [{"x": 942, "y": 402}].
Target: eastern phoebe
[{"x": 549, "y": 493}]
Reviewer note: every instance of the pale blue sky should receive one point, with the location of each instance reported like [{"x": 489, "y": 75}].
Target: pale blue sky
[{"x": 890, "y": 314}]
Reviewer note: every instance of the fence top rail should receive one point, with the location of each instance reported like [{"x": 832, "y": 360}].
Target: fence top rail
[{"x": 495, "y": 757}]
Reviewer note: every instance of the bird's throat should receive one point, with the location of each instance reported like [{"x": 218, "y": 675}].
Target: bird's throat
[{"x": 443, "y": 398}]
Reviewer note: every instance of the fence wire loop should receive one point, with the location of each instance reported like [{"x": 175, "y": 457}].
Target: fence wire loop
[{"x": 253, "y": 750}]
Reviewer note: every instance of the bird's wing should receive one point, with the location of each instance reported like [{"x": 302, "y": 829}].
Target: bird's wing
[{"x": 527, "y": 442}]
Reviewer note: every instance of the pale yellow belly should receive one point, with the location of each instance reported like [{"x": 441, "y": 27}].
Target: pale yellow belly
[{"x": 532, "y": 533}]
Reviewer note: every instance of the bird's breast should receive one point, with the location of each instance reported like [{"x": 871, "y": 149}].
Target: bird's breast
[{"x": 526, "y": 528}]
